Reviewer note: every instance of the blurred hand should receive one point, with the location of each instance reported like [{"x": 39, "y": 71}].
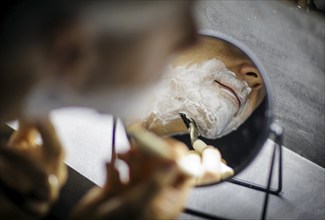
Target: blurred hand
[
  {"x": 159, "y": 180},
  {"x": 157, "y": 189},
  {"x": 31, "y": 174},
  {"x": 213, "y": 168}
]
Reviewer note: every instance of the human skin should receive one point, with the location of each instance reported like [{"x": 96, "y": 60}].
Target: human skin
[
  {"x": 81, "y": 55},
  {"x": 36, "y": 171},
  {"x": 156, "y": 189},
  {"x": 235, "y": 60}
]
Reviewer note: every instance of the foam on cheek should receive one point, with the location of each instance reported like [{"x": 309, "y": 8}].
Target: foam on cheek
[{"x": 192, "y": 90}]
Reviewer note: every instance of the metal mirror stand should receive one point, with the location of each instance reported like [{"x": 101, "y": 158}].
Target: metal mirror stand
[{"x": 277, "y": 136}]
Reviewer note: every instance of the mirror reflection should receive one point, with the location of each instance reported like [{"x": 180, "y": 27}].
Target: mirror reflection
[{"x": 216, "y": 87}]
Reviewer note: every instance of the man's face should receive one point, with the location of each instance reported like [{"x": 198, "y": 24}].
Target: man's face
[
  {"x": 214, "y": 83},
  {"x": 234, "y": 59},
  {"x": 102, "y": 63}
]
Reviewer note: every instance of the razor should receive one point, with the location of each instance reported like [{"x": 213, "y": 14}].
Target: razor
[{"x": 193, "y": 130}]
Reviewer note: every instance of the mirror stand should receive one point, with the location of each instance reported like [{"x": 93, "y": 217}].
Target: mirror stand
[{"x": 277, "y": 135}]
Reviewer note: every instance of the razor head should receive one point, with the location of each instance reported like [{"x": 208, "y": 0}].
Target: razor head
[
  {"x": 185, "y": 119},
  {"x": 192, "y": 127}
]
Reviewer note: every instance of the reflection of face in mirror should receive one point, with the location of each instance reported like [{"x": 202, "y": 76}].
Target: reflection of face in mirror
[{"x": 213, "y": 82}]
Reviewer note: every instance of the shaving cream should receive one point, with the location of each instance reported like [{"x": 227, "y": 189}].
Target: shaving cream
[{"x": 192, "y": 89}]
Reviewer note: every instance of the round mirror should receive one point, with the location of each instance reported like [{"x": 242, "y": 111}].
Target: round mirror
[{"x": 220, "y": 85}]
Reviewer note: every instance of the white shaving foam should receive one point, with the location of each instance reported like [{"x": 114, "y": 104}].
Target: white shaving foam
[{"x": 192, "y": 90}]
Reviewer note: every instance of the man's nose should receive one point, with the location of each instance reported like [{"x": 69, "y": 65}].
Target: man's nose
[{"x": 251, "y": 75}]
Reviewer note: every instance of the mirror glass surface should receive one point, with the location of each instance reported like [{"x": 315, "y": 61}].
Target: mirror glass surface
[{"x": 221, "y": 85}]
